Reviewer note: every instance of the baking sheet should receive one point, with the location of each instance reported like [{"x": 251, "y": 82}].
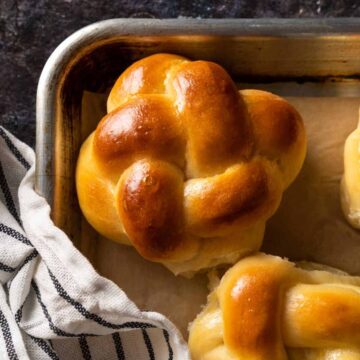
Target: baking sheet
[{"x": 309, "y": 224}]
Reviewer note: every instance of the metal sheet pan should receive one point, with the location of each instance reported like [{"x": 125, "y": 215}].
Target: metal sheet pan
[{"x": 299, "y": 58}]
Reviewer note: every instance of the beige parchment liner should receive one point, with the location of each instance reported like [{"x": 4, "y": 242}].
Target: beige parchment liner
[{"x": 309, "y": 224}]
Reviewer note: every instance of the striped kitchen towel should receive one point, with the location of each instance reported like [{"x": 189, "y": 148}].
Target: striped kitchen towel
[{"x": 53, "y": 305}]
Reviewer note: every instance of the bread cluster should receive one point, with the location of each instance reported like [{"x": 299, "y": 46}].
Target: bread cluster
[
  {"x": 266, "y": 308},
  {"x": 186, "y": 168}
]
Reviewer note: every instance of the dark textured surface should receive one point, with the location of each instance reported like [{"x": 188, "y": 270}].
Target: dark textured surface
[{"x": 31, "y": 29}]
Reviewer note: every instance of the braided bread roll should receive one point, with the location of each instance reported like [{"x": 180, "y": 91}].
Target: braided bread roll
[
  {"x": 350, "y": 184},
  {"x": 266, "y": 308},
  {"x": 184, "y": 167}
]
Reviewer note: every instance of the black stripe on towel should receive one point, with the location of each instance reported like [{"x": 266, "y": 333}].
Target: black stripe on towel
[
  {"x": 6, "y": 268},
  {"x": 52, "y": 326},
  {"x": 14, "y": 149},
  {"x": 10, "y": 349},
  {"x": 14, "y": 234},
  {"x": 30, "y": 257},
  {"x": 10, "y": 269},
  {"x": 84, "y": 312},
  {"x": 118, "y": 346},
  {"x": 148, "y": 344},
  {"x": 167, "y": 339},
  {"x": 84, "y": 346},
  {"x": 18, "y": 314},
  {"x": 45, "y": 347},
  {"x": 88, "y": 315},
  {"x": 8, "y": 197}
]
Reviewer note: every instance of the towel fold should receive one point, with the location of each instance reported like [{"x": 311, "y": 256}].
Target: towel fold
[{"x": 53, "y": 304}]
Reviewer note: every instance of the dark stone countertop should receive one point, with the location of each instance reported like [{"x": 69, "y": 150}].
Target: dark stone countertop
[{"x": 31, "y": 29}]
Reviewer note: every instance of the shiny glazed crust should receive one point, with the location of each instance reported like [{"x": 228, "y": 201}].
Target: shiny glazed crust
[
  {"x": 186, "y": 168},
  {"x": 267, "y": 308},
  {"x": 350, "y": 184}
]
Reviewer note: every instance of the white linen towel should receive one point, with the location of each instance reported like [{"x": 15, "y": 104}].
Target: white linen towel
[{"x": 53, "y": 304}]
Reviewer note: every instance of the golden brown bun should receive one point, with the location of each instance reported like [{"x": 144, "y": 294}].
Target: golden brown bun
[
  {"x": 350, "y": 184},
  {"x": 266, "y": 308},
  {"x": 184, "y": 167}
]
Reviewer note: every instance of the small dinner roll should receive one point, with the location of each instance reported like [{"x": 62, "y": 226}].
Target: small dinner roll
[
  {"x": 350, "y": 184},
  {"x": 186, "y": 168},
  {"x": 267, "y": 308}
]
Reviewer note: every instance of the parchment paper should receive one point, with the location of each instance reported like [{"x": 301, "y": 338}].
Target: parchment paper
[{"x": 309, "y": 224}]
